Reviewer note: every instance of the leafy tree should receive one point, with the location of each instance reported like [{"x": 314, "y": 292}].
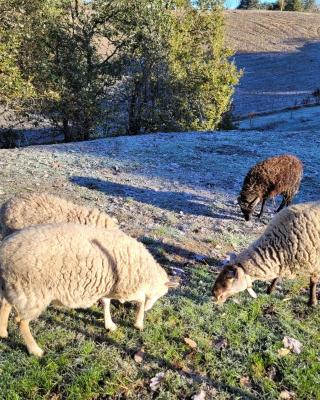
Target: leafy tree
[
  {"x": 294, "y": 5},
  {"x": 182, "y": 77},
  {"x": 15, "y": 86},
  {"x": 249, "y": 4},
  {"x": 202, "y": 76},
  {"x": 310, "y": 5},
  {"x": 59, "y": 55},
  {"x": 63, "y": 58}
]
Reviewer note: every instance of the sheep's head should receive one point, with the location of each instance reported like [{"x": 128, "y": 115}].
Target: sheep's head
[
  {"x": 247, "y": 205},
  {"x": 160, "y": 290},
  {"x": 231, "y": 280}
]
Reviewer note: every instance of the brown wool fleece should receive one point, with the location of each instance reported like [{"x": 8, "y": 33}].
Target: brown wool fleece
[{"x": 273, "y": 176}]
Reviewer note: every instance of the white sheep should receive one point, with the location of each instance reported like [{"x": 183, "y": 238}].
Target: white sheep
[
  {"x": 75, "y": 266},
  {"x": 43, "y": 208},
  {"x": 289, "y": 247}
]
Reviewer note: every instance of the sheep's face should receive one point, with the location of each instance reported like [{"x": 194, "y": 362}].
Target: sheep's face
[
  {"x": 231, "y": 280},
  {"x": 247, "y": 205}
]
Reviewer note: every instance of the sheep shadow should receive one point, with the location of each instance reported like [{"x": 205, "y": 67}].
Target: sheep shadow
[
  {"x": 184, "y": 268},
  {"x": 169, "y": 200},
  {"x": 163, "y": 253},
  {"x": 102, "y": 338}
]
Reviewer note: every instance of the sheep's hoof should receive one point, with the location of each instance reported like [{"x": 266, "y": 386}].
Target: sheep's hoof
[
  {"x": 312, "y": 303},
  {"x": 111, "y": 327},
  {"x": 36, "y": 351},
  {"x": 3, "y": 333},
  {"x": 139, "y": 326}
]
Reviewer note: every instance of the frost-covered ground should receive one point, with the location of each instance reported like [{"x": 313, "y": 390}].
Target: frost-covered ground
[
  {"x": 176, "y": 193},
  {"x": 191, "y": 177}
]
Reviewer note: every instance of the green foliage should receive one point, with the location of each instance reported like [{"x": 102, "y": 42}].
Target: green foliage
[
  {"x": 310, "y": 5},
  {"x": 15, "y": 86},
  {"x": 293, "y": 5},
  {"x": 249, "y": 4},
  {"x": 183, "y": 78},
  {"x": 202, "y": 76},
  {"x": 62, "y": 58}
]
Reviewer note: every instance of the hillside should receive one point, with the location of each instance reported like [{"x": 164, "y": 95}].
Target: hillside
[
  {"x": 177, "y": 194},
  {"x": 280, "y": 55}
]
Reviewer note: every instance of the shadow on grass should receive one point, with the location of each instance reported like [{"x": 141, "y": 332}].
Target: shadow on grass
[
  {"x": 160, "y": 249},
  {"x": 100, "y": 338},
  {"x": 169, "y": 200}
]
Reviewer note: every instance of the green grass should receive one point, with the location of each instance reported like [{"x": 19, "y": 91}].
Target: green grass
[{"x": 83, "y": 361}]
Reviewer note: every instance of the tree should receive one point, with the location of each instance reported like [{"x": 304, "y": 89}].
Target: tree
[
  {"x": 203, "y": 77},
  {"x": 62, "y": 58},
  {"x": 310, "y": 5},
  {"x": 59, "y": 57},
  {"x": 249, "y": 4},
  {"x": 182, "y": 77},
  {"x": 294, "y": 5}
]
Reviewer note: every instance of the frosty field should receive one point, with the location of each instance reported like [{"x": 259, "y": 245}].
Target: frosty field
[{"x": 176, "y": 193}]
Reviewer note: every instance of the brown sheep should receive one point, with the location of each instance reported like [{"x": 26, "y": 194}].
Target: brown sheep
[{"x": 269, "y": 178}]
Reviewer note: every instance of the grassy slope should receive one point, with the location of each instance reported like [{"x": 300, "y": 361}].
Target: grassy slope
[
  {"x": 158, "y": 176},
  {"x": 280, "y": 55}
]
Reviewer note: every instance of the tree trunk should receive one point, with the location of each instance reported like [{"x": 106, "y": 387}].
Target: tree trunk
[
  {"x": 134, "y": 120},
  {"x": 66, "y": 130}
]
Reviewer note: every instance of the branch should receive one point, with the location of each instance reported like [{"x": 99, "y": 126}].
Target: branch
[{"x": 106, "y": 60}]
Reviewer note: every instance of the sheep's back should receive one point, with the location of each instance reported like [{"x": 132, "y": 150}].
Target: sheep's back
[
  {"x": 43, "y": 208},
  {"x": 290, "y": 245},
  {"x": 75, "y": 262},
  {"x": 275, "y": 174}
]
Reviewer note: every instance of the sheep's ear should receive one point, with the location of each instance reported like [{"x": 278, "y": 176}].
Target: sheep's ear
[{"x": 172, "y": 283}]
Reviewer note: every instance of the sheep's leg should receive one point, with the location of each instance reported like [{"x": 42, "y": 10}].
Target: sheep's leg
[
  {"x": 313, "y": 291},
  {"x": 149, "y": 303},
  {"x": 4, "y": 317},
  {"x": 140, "y": 315},
  {"x": 262, "y": 207},
  {"x": 286, "y": 200},
  {"x": 31, "y": 344},
  {"x": 108, "y": 323},
  {"x": 272, "y": 286}
]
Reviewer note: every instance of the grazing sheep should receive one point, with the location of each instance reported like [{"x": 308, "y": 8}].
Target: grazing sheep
[
  {"x": 289, "y": 247},
  {"x": 75, "y": 266},
  {"x": 267, "y": 179},
  {"x": 42, "y": 208}
]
